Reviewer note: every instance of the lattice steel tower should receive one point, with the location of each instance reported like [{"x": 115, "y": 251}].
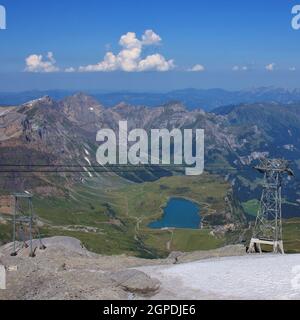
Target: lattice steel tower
[
  {"x": 268, "y": 225},
  {"x": 24, "y": 224}
]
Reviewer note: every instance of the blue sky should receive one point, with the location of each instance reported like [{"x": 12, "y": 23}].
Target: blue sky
[{"x": 231, "y": 44}]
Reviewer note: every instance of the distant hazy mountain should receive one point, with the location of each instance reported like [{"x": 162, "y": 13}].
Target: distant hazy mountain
[
  {"x": 191, "y": 98},
  {"x": 17, "y": 98},
  {"x": 204, "y": 99}
]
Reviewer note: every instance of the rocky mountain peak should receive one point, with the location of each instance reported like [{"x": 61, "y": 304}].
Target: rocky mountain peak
[
  {"x": 123, "y": 107},
  {"x": 83, "y": 99},
  {"x": 175, "y": 106},
  {"x": 81, "y": 107},
  {"x": 46, "y": 100}
]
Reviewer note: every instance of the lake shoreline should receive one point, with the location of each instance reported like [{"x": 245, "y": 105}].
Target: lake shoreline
[{"x": 178, "y": 213}]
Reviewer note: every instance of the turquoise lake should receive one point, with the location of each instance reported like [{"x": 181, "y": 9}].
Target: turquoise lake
[{"x": 179, "y": 213}]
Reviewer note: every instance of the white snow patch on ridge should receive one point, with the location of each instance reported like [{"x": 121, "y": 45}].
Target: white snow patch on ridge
[
  {"x": 86, "y": 170},
  {"x": 87, "y": 160}
]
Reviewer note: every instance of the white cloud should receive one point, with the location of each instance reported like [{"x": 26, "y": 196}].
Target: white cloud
[
  {"x": 240, "y": 68},
  {"x": 37, "y": 63},
  {"x": 130, "y": 41},
  {"x": 151, "y": 38},
  {"x": 130, "y": 59},
  {"x": 155, "y": 62},
  {"x": 270, "y": 67},
  {"x": 292, "y": 68},
  {"x": 70, "y": 70},
  {"x": 197, "y": 68}
]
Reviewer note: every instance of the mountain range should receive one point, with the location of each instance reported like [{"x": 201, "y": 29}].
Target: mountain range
[
  {"x": 62, "y": 133},
  {"x": 206, "y": 99},
  {"x": 48, "y": 147}
]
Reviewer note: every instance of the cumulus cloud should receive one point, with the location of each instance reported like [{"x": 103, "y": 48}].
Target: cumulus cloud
[
  {"x": 130, "y": 58},
  {"x": 130, "y": 41},
  {"x": 151, "y": 38},
  {"x": 270, "y": 67},
  {"x": 37, "y": 63},
  {"x": 197, "y": 68}
]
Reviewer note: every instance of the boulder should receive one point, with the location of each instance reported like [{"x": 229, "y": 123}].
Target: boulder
[{"x": 135, "y": 281}]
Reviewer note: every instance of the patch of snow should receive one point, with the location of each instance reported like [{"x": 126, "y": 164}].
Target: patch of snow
[
  {"x": 4, "y": 112},
  {"x": 87, "y": 160},
  {"x": 246, "y": 160},
  {"x": 86, "y": 170},
  {"x": 256, "y": 277}
]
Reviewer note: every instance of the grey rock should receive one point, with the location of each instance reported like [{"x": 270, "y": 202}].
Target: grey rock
[{"x": 136, "y": 281}]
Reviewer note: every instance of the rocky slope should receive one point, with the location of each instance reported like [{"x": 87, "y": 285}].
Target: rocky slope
[
  {"x": 67, "y": 271},
  {"x": 49, "y": 133}
]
